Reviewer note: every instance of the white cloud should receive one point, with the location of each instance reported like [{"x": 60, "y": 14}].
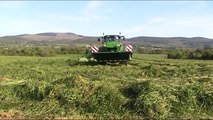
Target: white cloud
[
  {"x": 53, "y": 22},
  {"x": 91, "y": 12},
  {"x": 174, "y": 26},
  {"x": 26, "y": 26},
  {"x": 12, "y": 4},
  {"x": 92, "y": 6}
]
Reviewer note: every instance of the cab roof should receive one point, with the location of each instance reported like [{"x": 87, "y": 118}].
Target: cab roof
[{"x": 111, "y": 35}]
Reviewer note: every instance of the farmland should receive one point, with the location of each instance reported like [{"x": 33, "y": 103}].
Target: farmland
[{"x": 150, "y": 86}]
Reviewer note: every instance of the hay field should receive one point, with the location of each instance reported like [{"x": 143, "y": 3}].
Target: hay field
[{"x": 150, "y": 86}]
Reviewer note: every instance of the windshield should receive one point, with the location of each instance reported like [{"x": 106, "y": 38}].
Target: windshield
[{"x": 111, "y": 38}]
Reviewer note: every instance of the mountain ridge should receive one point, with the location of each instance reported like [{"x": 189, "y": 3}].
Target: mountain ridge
[{"x": 69, "y": 38}]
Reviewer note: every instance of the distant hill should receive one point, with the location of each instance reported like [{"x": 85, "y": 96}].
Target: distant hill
[
  {"x": 51, "y": 36},
  {"x": 55, "y": 39},
  {"x": 171, "y": 42}
]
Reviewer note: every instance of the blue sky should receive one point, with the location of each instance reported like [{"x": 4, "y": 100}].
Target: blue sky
[{"x": 92, "y": 18}]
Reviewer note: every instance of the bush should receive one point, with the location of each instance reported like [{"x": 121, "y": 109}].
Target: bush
[
  {"x": 175, "y": 54},
  {"x": 205, "y": 54}
]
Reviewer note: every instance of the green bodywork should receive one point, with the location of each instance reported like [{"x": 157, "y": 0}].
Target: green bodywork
[{"x": 111, "y": 49}]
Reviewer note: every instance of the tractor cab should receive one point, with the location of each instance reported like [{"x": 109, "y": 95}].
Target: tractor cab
[
  {"x": 111, "y": 41},
  {"x": 112, "y": 38}
]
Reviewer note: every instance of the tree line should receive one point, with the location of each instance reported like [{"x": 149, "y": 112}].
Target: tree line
[
  {"x": 204, "y": 54},
  {"x": 41, "y": 51}
]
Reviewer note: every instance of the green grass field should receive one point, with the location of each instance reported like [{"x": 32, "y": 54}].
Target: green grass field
[{"x": 150, "y": 86}]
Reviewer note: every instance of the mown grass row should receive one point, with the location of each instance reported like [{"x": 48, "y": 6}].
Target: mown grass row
[{"x": 149, "y": 87}]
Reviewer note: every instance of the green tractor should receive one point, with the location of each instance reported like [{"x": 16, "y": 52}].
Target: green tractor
[{"x": 114, "y": 48}]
